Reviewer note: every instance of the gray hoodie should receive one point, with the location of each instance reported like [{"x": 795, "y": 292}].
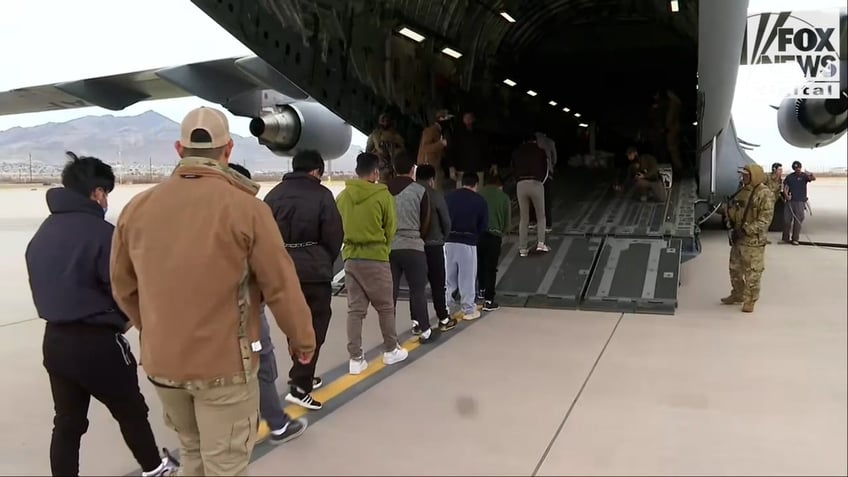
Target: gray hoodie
[{"x": 440, "y": 222}]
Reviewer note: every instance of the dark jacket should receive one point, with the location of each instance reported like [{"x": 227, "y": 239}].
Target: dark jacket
[
  {"x": 469, "y": 151},
  {"x": 310, "y": 223},
  {"x": 469, "y": 216},
  {"x": 68, "y": 263},
  {"x": 529, "y": 161},
  {"x": 440, "y": 223}
]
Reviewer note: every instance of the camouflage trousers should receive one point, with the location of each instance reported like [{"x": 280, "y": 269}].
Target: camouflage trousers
[{"x": 746, "y": 269}]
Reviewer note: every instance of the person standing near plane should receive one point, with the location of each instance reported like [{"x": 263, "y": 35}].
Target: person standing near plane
[
  {"x": 85, "y": 352},
  {"x": 385, "y": 142},
  {"x": 469, "y": 151},
  {"x": 529, "y": 166},
  {"x": 795, "y": 189},
  {"x": 282, "y": 427},
  {"x": 434, "y": 245},
  {"x": 469, "y": 216},
  {"x": 370, "y": 223},
  {"x": 190, "y": 259},
  {"x": 774, "y": 182},
  {"x": 748, "y": 216},
  {"x": 310, "y": 223},
  {"x": 407, "y": 258},
  {"x": 431, "y": 150},
  {"x": 489, "y": 246},
  {"x": 549, "y": 146}
]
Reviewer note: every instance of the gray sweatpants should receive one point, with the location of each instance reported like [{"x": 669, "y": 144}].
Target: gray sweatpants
[
  {"x": 461, "y": 274},
  {"x": 369, "y": 282},
  {"x": 793, "y": 217},
  {"x": 530, "y": 191}
]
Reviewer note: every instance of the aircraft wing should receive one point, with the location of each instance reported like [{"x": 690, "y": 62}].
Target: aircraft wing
[{"x": 218, "y": 81}]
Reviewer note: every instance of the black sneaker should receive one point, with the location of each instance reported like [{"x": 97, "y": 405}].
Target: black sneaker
[
  {"x": 434, "y": 334},
  {"x": 447, "y": 324},
  {"x": 490, "y": 305},
  {"x": 303, "y": 400},
  {"x": 416, "y": 328},
  {"x": 293, "y": 430}
]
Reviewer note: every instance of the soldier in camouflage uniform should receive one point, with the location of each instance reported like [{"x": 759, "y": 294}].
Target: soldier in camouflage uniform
[
  {"x": 774, "y": 182},
  {"x": 749, "y": 214},
  {"x": 385, "y": 142}
]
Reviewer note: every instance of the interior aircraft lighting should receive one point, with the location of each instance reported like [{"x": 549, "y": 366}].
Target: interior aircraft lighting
[
  {"x": 576, "y": 115},
  {"x": 509, "y": 82},
  {"x": 566, "y": 109},
  {"x": 508, "y": 17},
  {"x": 451, "y": 52},
  {"x": 411, "y": 34},
  {"x": 552, "y": 103},
  {"x": 675, "y": 7},
  {"x": 583, "y": 125},
  {"x": 531, "y": 92}
]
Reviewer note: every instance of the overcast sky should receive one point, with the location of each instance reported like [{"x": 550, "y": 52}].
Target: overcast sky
[{"x": 46, "y": 41}]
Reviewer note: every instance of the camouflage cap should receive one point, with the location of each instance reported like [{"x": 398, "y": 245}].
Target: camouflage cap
[{"x": 210, "y": 120}]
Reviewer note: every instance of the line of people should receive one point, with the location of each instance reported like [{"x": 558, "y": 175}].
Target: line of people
[{"x": 193, "y": 262}]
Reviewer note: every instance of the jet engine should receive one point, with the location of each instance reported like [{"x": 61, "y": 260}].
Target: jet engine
[
  {"x": 304, "y": 125},
  {"x": 814, "y": 122}
]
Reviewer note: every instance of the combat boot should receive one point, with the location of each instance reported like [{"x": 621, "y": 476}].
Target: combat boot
[
  {"x": 731, "y": 300},
  {"x": 748, "y": 307}
]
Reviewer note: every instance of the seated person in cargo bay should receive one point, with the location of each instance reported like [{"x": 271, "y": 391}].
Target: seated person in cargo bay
[{"x": 643, "y": 173}]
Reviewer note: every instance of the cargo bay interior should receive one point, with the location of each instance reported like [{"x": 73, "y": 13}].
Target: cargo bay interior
[{"x": 583, "y": 70}]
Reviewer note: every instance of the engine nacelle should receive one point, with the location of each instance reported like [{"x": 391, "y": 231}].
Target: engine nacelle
[
  {"x": 814, "y": 122},
  {"x": 304, "y": 125}
]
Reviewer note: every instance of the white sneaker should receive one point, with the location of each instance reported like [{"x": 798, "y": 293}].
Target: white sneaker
[
  {"x": 396, "y": 356},
  {"x": 542, "y": 248},
  {"x": 472, "y": 316},
  {"x": 522, "y": 252},
  {"x": 357, "y": 366}
]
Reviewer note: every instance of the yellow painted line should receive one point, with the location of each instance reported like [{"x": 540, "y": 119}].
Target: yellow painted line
[{"x": 332, "y": 390}]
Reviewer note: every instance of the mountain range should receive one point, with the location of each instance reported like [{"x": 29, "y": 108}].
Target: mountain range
[{"x": 140, "y": 140}]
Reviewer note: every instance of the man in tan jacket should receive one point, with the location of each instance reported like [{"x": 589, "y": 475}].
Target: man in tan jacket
[
  {"x": 431, "y": 149},
  {"x": 190, "y": 259}
]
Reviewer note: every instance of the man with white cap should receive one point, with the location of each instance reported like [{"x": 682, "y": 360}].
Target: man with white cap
[{"x": 190, "y": 259}]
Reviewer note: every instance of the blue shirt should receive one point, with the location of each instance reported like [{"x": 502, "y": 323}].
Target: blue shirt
[
  {"x": 797, "y": 184},
  {"x": 469, "y": 216}
]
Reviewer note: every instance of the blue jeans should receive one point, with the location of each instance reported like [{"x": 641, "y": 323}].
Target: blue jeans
[{"x": 461, "y": 274}]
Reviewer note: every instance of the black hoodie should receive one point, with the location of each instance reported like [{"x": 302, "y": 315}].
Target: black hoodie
[{"x": 68, "y": 263}]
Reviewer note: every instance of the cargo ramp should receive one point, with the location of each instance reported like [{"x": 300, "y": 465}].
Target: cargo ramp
[{"x": 609, "y": 252}]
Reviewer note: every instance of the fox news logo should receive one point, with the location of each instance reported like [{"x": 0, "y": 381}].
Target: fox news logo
[{"x": 806, "y": 38}]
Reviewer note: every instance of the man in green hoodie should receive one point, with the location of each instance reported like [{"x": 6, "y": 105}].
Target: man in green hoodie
[
  {"x": 370, "y": 222},
  {"x": 489, "y": 245}
]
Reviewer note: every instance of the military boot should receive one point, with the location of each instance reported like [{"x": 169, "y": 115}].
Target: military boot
[
  {"x": 748, "y": 307},
  {"x": 731, "y": 300}
]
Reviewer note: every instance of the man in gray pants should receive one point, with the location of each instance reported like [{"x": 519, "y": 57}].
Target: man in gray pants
[
  {"x": 530, "y": 168},
  {"x": 795, "y": 189}
]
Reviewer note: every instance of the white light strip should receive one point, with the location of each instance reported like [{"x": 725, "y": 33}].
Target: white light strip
[
  {"x": 412, "y": 35},
  {"x": 695, "y": 123},
  {"x": 566, "y": 109},
  {"x": 675, "y": 7},
  {"x": 576, "y": 115},
  {"x": 583, "y": 125},
  {"x": 509, "y": 82},
  {"x": 552, "y": 103},
  {"x": 508, "y": 17},
  {"x": 531, "y": 92},
  {"x": 451, "y": 52}
]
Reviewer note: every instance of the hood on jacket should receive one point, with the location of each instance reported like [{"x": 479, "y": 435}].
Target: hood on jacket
[
  {"x": 397, "y": 184},
  {"x": 61, "y": 200},
  {"x": 201, "y": 166},
  {"x": 361, "y": 190},
  {"x": 758, "y": 176},
  {"x": 300, "y": 176}
]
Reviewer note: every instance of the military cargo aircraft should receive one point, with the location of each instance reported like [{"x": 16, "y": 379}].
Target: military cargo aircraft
[{"x": 583, "y": 71}]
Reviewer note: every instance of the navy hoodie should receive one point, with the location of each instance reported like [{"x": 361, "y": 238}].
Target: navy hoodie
[
  {"x": 469, "y": 216},
  {"x": 68, "y": 263}
]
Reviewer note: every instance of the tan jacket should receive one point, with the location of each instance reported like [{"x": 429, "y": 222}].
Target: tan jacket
[
  {"x": 431, "y": 150},
  {"x": 380, "y": 136},
  {"x": 190, "y": 257}
]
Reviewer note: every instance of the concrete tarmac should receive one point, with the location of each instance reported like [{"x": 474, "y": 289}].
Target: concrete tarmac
[{"x": 708, "y": 391}]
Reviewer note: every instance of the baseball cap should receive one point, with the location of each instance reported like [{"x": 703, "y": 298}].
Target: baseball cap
[
  {"x": 443, "y": 113},
  {"x": 212, "y": 121}
]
